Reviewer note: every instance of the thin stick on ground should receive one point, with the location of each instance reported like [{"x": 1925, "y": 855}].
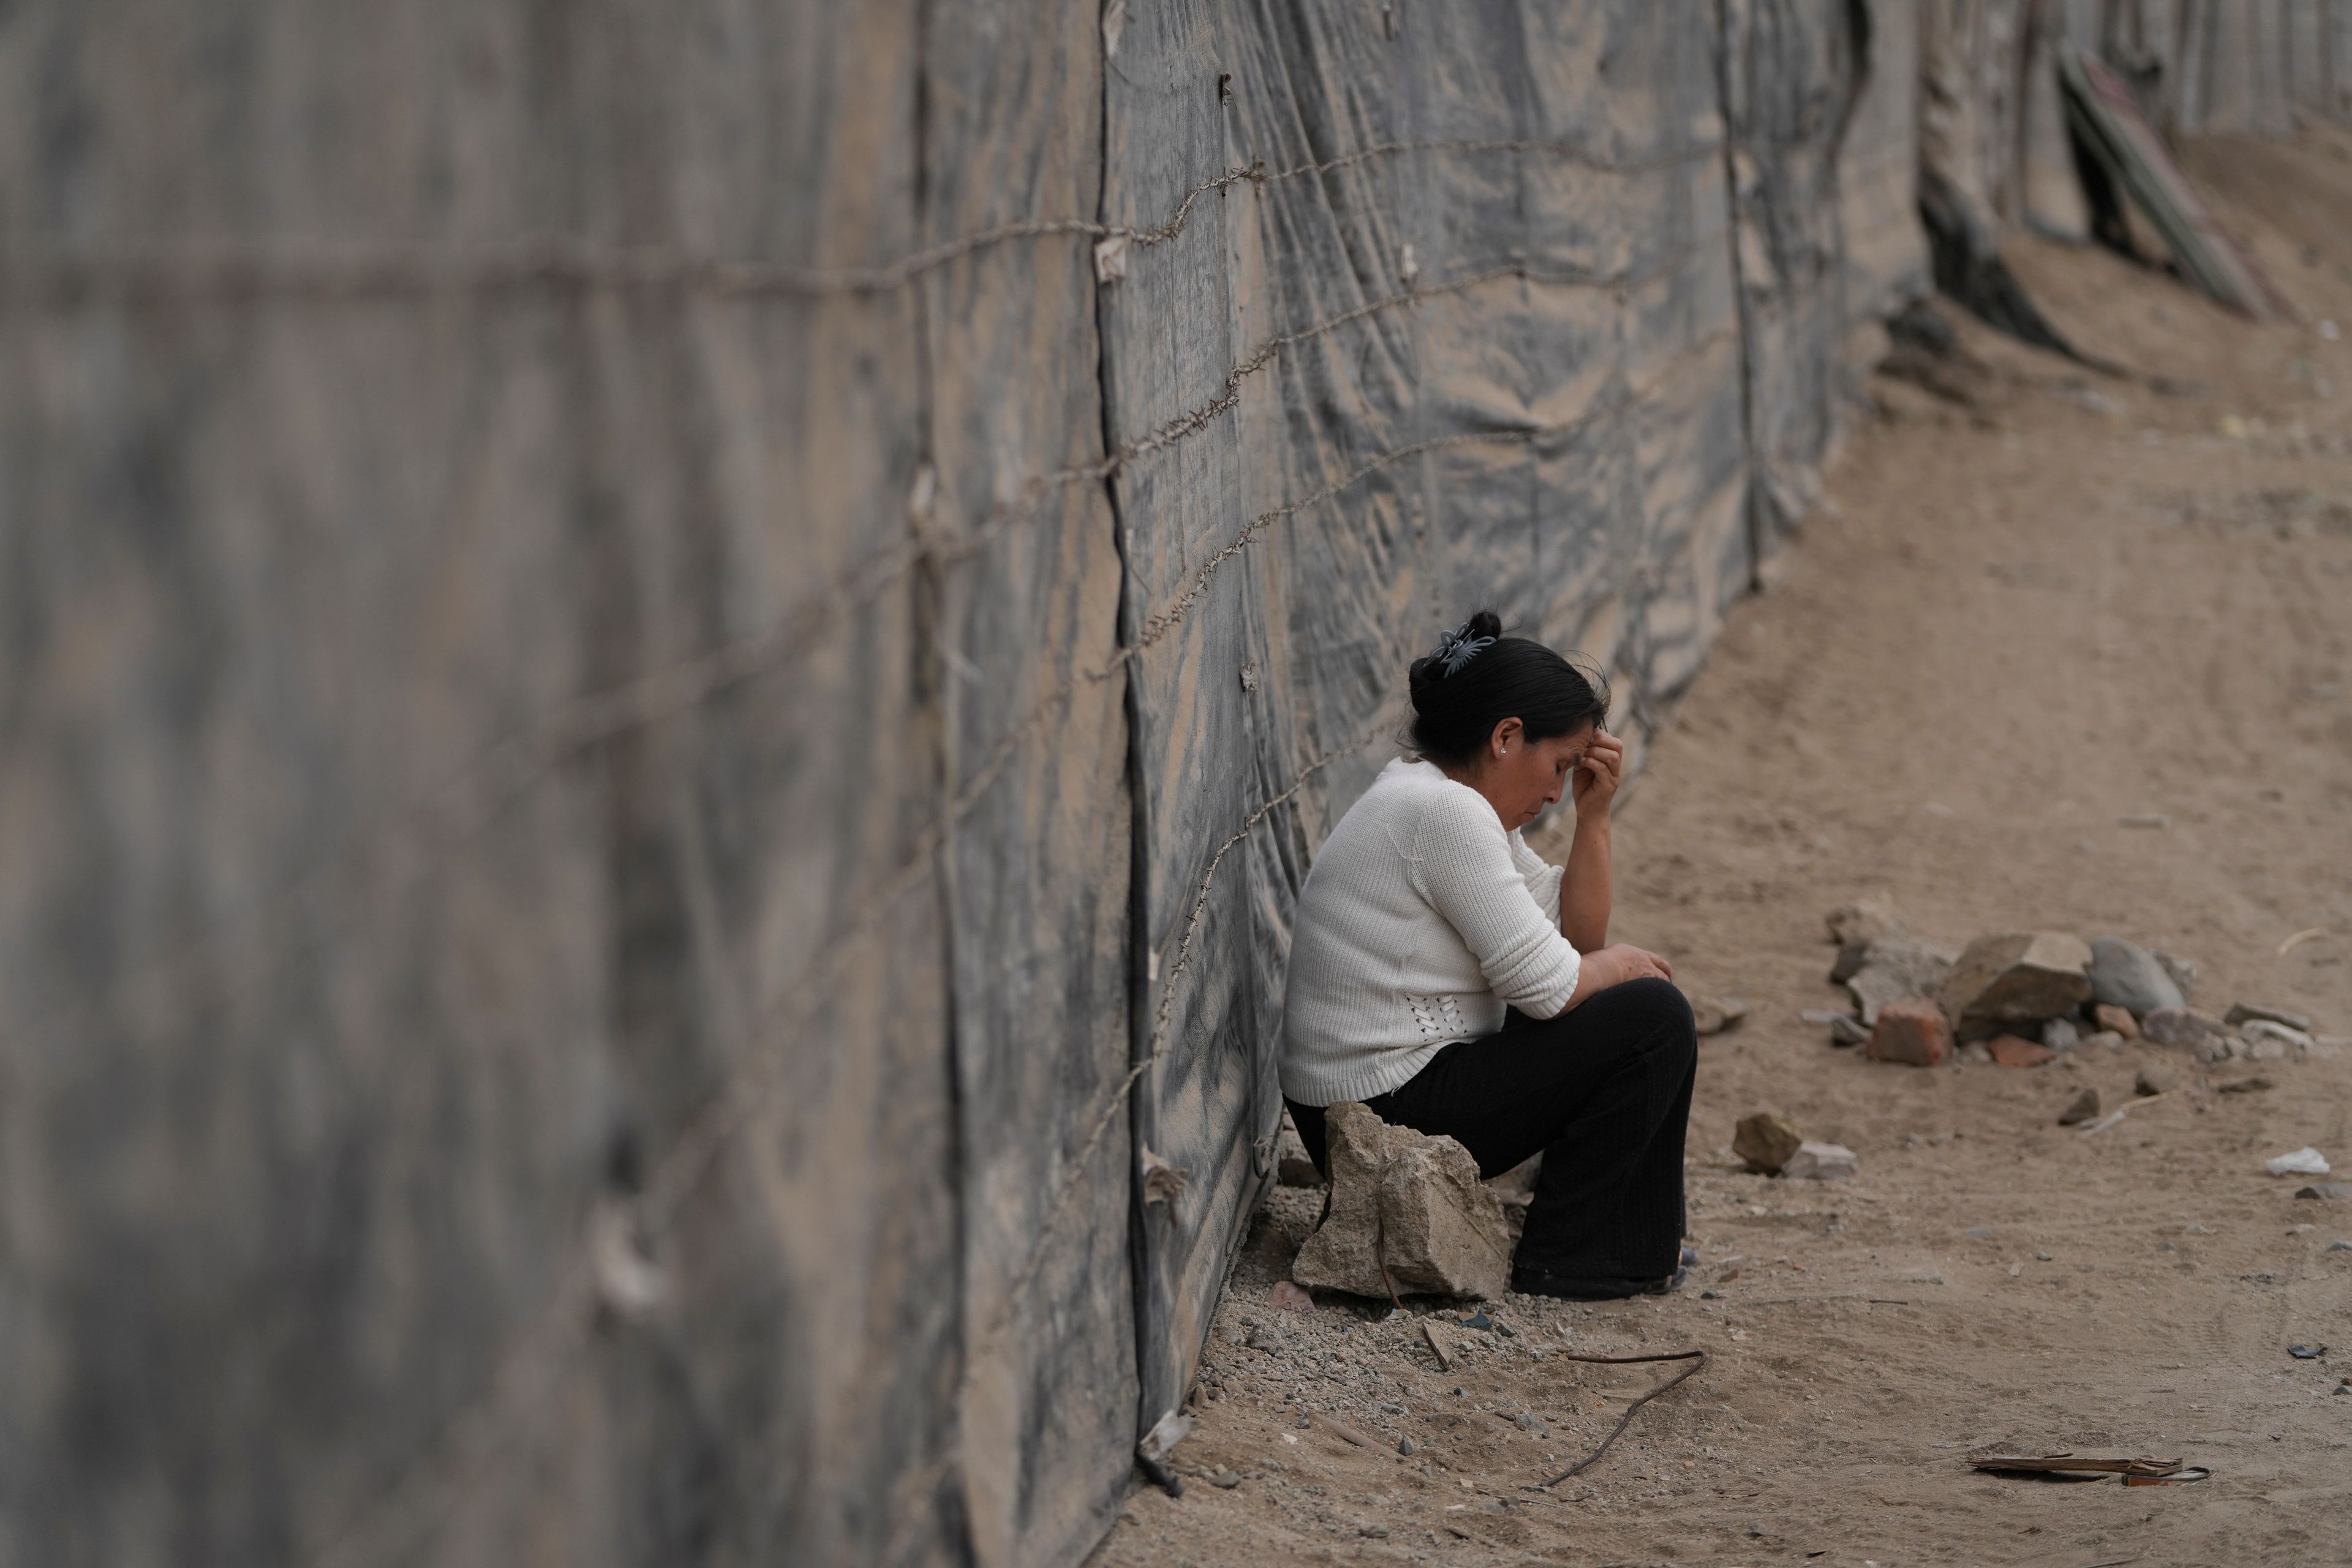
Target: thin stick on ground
[
  {"x": 1698, "y": 1364},
  {"x": 2117, "y": 1114}
]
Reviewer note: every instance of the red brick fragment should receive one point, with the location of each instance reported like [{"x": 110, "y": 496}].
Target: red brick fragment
[
  {"x": 1912, "y": 1030},
  {"x": 2017, "y": 1051}
]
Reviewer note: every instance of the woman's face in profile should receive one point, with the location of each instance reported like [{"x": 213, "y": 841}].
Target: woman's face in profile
[{"x": 1527, "y": 776}]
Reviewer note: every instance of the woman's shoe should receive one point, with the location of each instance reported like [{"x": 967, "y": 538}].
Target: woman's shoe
[
  {"x": 1670, "y": 1284},
  {"x": 1529, "y": 1280}
]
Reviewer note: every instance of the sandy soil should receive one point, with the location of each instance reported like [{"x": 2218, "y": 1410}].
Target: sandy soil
[{"x": 2061, "y": 600}]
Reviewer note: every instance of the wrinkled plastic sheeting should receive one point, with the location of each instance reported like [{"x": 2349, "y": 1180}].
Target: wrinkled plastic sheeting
[
  {"x": 450, "y": 811},
  {"x": 1877, "y": 178},
  {"x": 2319, "y": 56},
  {"x": 1810, "y": 86},
  {"x": 1470, "y": 335},
  {"x": 1992, "y": 125},
  {"x": 1034, "y": 701},
  {"x": 2225, "y": 67},
  {"x": 569, "y": 952}
]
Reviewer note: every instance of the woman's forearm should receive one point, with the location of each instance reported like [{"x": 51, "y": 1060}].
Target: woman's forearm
[{"x": 1584, "y": 889}]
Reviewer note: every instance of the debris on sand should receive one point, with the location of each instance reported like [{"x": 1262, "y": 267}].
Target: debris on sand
[
  {"x": 2085, "y": 1466},
  {"x": 2254, "y": 1085},
  {"x": 2019, "y": 977},
  {"x": 1895, "y": 967},
  {"x": 2111, "y": 1019},
  {"x": 1844, "y": 1028},
  {"x": 1820, "y": 1163},
  {"x": 2187, "y": 1029},
  {"x": 1912, "y": 1030},
  {"x": 1287, "y": 1297},
  {"x": 2267, "y": 1041},
  {"x": 1869, "y": 920},
  {"x": 2148, "y": 1082},
  {"x": 2127, "y": 976},
  {"x": 2305, "y": 1161},
  {"x": 2081, "y": 1109},
  {"x": 2325, "y": 1192},
  {"x": 1407, "y": 1213},
  {"x": 2245, "y": 1013},
  {"x": 1766, "y": 1141},
  {"x": 2183, "y": 972},
  {"x": 1714, "y": 1015},
  {"x": 2017, "y": 1051}
]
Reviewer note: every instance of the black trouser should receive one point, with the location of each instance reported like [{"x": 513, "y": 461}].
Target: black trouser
[{"x": 1603, "y": 1092}]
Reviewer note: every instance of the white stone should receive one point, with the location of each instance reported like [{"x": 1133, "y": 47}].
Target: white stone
[
  {"x": 1821, "y": 1162},
  {"x": 2301, "y": 1162},
  {"x": 2271, "y": 1032}
]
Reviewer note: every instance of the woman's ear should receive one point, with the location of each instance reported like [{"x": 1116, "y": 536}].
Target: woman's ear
[{"x": 1506, "y": 735}]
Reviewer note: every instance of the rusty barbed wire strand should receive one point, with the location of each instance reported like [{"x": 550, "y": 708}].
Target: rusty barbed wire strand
[
  {"x": 247, "y": 270},
  {"x": 512, "y": 766},
  {"x": 449, "y": 814},
  {"x": 739, "y": 1100},
  {"x": 734, "y": 1106}
]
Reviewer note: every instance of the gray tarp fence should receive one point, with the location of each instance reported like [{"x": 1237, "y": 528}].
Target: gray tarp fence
[
  {"x": 2240, "y": 67},
  {"x": 666, "y": 672}
]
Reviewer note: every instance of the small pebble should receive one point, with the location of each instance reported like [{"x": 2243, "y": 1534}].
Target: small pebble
[
  {"x": 2339, "y": 1247},
  {"x": 1406, "y": 1446},
  {"x": 2307, "y": 1353},
  {"x": 2041, "y": 1257},
  {"x": 1225, "y": 1479}
]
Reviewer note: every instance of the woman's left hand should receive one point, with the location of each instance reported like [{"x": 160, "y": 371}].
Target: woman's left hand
[{"x": 1595, "y": 785}]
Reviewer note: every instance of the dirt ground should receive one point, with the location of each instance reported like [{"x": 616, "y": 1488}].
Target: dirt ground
[{"x": 2040, "y": 600}]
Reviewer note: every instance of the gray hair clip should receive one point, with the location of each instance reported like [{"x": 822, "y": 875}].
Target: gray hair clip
[{"x": 1458, "y": 648}]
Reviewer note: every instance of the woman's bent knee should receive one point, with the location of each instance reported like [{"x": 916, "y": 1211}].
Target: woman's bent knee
[{"x": 1655, "y": 1009}]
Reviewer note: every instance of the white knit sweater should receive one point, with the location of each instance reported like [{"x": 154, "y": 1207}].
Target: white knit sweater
[{"x": 1419, "y": 922}]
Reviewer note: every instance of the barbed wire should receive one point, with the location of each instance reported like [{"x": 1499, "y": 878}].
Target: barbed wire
[
  {"x": 482, "y": 787},
  {"x": 449, "y": 814},
  {"x": 231, "y": 269},
  {"x": 752, "y": 1085}
]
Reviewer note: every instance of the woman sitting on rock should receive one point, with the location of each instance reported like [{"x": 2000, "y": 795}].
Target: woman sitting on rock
[{"x": 1445, "y": 975}]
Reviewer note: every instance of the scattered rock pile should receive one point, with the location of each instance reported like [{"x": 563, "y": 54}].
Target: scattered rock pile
[{"x": 2025, "y": 998}]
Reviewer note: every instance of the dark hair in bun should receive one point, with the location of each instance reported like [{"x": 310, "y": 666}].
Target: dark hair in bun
[{"x": 1475, "y": 678}]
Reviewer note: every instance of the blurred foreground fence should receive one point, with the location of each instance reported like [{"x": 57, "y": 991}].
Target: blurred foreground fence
[{"x": 667, "y": 671}]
